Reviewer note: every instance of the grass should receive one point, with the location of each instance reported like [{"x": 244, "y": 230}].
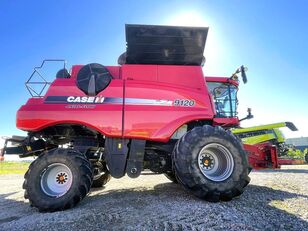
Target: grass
[{"x": 11, "y": 167}]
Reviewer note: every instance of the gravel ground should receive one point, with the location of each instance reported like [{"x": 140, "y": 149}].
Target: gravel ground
[{"x": 274, "y": 200}]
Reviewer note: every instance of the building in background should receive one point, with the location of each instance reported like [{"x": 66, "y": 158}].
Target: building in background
[{"x": 300, "y": 143}]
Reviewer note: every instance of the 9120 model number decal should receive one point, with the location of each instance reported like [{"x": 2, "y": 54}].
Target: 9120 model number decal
[{"x": 184, "y": 103}]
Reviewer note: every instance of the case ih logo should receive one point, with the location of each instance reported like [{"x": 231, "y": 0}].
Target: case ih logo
[
  {"x": 85, "y": 99},
  {"x": 74, "y": 99}
]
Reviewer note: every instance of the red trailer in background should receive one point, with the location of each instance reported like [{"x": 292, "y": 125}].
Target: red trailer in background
[{"x": 261, "y": 156}]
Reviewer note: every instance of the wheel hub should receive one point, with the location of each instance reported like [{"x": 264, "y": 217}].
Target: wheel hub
[
  {"x": 207, "y": 161},
  {"x": 61, "y": 178},
  {"x": 215, "y": 162},
  {"x": 56, "y": 180}
]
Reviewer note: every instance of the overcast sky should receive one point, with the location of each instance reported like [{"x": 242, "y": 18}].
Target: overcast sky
[{"x": 270, "y": 37}]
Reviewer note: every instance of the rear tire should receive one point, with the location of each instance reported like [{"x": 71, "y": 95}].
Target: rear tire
[
  {"x": 57, "y": 180},
  {"x": 211, "y": 163},
  {"x": 171, "y": 176},
  {"x": 101, "y": 175}
]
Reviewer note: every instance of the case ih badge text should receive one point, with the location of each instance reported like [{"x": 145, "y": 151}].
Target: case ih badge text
[
  {"x": 74, "y": 100},
  {"x": 85, "y": 99}
]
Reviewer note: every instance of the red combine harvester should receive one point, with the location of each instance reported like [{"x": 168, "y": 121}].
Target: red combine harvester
[{"x": 153, "y": 111}]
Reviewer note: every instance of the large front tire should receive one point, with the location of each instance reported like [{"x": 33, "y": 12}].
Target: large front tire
[
  {"x": 58, "y": 180},
  {"x": 211, "y": 163}
]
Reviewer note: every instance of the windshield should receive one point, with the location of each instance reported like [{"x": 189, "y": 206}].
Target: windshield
[{"x": 225, "y": 98}]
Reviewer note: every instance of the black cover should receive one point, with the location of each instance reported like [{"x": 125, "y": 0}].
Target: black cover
[
  {"x": 93, "y": 78},
  {"x": 172, "y": 45},
  {"x": 116, "y": 156},
  {"x": 63, "y": 74}
]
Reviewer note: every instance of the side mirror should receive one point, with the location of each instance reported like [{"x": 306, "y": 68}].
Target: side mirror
[
  {"x": 242, "y": 69},
  {"x": 249, "y": 116},
  {"x": 243, "y": 73}
]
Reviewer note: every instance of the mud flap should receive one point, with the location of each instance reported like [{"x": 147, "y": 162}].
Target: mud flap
[
  {"x": 135, "y": 159},
  {"x": 116, "y": 155}
]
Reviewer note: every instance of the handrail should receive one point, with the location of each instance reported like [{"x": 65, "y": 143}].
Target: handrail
[{"x": 44, "y": 82}]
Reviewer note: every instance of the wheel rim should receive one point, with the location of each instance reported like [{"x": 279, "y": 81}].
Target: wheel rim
[
  {"x": 215, "y": 162},
  {"x": 56, "y": 180}
]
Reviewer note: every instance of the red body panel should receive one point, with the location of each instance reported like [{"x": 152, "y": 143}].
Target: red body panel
[
  {"x": 107, "y": 119},
  {"x": 263, "y": 155},
  {"x": 150, "y": 111},
  {"x": 282, "y": 161},
  {"x": 159, "y": 122}
]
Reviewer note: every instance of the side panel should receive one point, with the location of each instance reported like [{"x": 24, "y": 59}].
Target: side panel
[
  {"x": 186, "y": 76},
  {"x": 158, "y": 100},
  {"x": 106, "y": 118},
  {"x": 155, "y": 110}
]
